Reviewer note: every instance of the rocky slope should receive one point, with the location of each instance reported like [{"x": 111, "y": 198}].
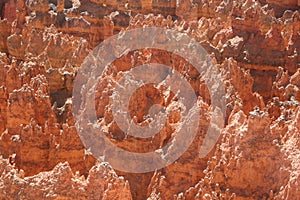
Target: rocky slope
[{"x": 255, "y": 45}]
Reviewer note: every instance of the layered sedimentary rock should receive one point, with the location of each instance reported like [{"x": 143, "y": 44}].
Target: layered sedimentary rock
[{"x": 254, "y": 44}]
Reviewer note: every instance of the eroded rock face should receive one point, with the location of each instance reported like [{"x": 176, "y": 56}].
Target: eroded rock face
[
  {"x": 60, "y": 183},
  {"x": 255, "y": 45}
]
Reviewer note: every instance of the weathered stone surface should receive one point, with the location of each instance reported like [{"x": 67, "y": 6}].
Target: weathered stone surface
[
  {"x": 255, "y": 45},
  {"x": 60, "y": 183}
]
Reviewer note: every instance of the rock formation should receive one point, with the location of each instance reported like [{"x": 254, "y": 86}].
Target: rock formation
[{"x": 255, "y": 45}]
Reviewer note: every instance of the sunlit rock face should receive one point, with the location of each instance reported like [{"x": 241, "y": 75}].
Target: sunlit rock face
[{"x": 255, "y": 46}]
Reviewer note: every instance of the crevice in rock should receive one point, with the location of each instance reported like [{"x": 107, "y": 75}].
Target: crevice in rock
[
  {"x": 60, "y": 97},
  {"x": 263, "y": 83}
]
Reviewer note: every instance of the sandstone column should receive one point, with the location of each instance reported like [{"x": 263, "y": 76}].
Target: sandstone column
[
  {"x": 20, "y": 13},
  {"x": 60, "y": 6},
  {"x": 60, "y": 15}
]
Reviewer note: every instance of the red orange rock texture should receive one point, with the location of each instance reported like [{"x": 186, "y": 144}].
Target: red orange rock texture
[{"x": 255, "y": 45}]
